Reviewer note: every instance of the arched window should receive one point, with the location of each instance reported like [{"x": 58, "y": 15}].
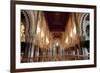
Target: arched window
[
  {"x": 85, "y": 26},
  {"x": 28, "y": 26},
  {"x": 85, "y": 34},
  {"x": 24, "y": 35}
]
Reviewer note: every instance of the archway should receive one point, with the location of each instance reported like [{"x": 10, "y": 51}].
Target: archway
[{"x": 85, "y": 34}]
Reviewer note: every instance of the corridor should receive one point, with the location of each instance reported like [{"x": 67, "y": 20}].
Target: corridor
[{"x": 54, "y": 36}]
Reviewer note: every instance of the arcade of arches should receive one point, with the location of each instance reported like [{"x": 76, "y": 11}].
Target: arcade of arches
[{"x": 54, "y": 36}]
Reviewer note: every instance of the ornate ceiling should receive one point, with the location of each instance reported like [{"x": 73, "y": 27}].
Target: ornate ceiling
[{"x": 56, "y": 20}]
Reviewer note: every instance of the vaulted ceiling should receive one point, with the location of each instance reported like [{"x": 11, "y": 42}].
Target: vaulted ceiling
[{"x": 56, "y": 20}]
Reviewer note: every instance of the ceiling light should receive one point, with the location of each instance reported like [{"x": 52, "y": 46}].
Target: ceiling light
[
  {"x": 74, "y": 29},
  {"x": 42, "y": 34},
  {"x": 66, "y": 41},
  {"x": 57, "y": 44},
  {"x": 71, "y": 34},
  {"x": 38, "y": 29},
  {"x": 47, "y": 41}
]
